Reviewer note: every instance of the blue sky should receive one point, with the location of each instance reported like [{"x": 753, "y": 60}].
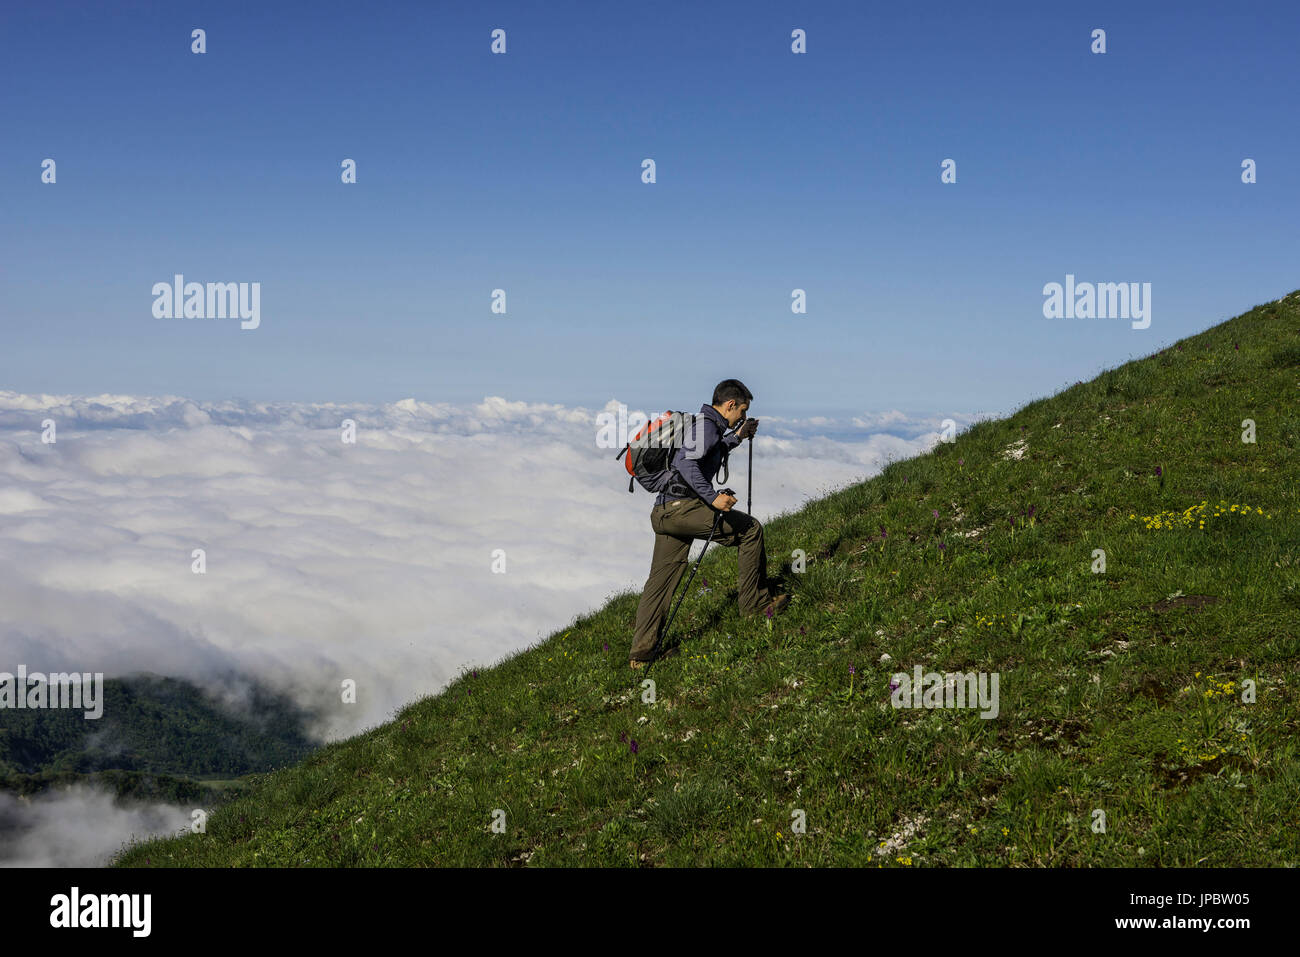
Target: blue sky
[{"x": 775, "y": 171}]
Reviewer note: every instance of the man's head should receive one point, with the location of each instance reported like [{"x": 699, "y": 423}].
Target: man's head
[{"x": 732, "y": 399}]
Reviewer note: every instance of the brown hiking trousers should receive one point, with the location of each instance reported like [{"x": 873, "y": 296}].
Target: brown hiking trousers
[{"x": 676, "y": 524}]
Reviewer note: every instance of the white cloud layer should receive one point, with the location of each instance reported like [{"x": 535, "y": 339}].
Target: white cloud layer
[
  {"x": 78, "y": 826},
  {"x": 328, "y": 561}
]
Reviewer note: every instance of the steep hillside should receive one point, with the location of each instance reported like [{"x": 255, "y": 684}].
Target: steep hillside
[{"x": 1120, "y": 692}]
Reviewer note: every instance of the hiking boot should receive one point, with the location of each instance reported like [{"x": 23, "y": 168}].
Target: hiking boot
[{"x": 637, "y": 665}]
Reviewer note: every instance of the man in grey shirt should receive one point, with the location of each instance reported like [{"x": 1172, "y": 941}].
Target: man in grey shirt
[{"x": 685, "y": 510}]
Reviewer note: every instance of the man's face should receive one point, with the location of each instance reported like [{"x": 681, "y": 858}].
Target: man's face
[{"x": 734, "y": 413}]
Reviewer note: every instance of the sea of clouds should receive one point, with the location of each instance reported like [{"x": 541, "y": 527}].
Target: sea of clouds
[{"x": 327, "y": 561}]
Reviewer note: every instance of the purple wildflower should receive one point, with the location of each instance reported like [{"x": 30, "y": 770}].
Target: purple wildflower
[
  {"x": 607, "y": 646},
  {"x": 852, "y": 670},
  {"x": 936, "y": 512},
  {"x": 1158, "y": 472},
  {"x": 941, "y": 546},
  {"x": 883, "y": 533},
  {"x": 961, "y": 461},
  {"x": 633, "y": 746},
  {"x": 623, "y": 736}
]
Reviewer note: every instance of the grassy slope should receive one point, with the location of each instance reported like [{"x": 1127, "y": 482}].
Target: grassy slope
[{"x": 1114, "y": 696}]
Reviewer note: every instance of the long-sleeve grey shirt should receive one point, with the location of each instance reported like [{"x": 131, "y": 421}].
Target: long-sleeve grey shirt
[{"x": 699, "y": 458}]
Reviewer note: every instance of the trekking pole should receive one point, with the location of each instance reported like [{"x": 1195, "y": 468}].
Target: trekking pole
[{"x": 686, "y": 591}]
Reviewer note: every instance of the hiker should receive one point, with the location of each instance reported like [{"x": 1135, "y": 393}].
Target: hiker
[{"x": 685, "y": 510}]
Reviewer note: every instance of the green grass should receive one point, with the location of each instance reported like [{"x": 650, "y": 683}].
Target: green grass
[{"x": 1119, "y": 691}]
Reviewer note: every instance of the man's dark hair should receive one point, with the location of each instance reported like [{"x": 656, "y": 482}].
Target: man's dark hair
[{"x": 729, "y": 389}]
